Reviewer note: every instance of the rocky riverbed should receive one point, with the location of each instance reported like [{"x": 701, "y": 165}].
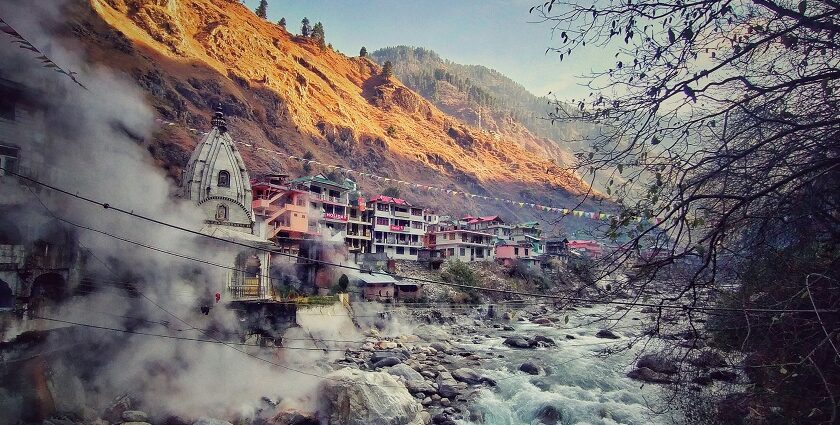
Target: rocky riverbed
[{"x": 462, "y": 365}]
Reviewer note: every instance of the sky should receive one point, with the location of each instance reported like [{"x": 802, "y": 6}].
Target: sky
[{"x": 498, "y": 34}]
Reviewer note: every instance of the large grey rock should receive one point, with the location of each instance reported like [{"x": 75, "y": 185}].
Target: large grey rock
[
  {"x": 421, "y": 386},
  {"x": 467, "y": 375},
  {"x": 657, "y": 363},
  {"x": 517, "y": 342},
  {"x": 447, "y": 386},
  {"x": 135, "y": 416},
  {"x": 607, "y": 334},
  {"x": 441, "y": 347},
  {"x": 648, "y": 375},
  {"x": 540, "y": 339},
  {"x": 707, "y": 359},
  {"x": 549, "y": 415},
  {"x": 530, "y": 368},
  {"x": 355, "y": 397},
  {"x": 384, "y": 354},
  {"x": 405, "y": 372},
  {"x": 388, "y": 361}
]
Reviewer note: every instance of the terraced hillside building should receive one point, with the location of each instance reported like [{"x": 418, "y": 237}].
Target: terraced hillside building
[{"x": 398, "y": 227}]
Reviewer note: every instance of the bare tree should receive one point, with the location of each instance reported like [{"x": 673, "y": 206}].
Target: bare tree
[{"x": 718, "y": 125}]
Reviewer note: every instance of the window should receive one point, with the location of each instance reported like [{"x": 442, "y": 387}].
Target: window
[
  {"x": 526, "y": 252},
  {"x": 8, "y": 159},
  {"x": 516, "y": 251},
  {"x": 463, "y": 252},
  {"x": 221, "y": 212},
  {"x": 412, "y": 251},
  {"x": 382, "y": 221},
  {"x": 451, "y": 251},
  {"x": 452, "y": 236},
  {"x": 224, "y": 179},
  {"x": 400, "y": 250},
  {"x": 7, "y": 104}
]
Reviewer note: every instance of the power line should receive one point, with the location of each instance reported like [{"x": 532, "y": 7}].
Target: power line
[{"x": 686, "y": 307}]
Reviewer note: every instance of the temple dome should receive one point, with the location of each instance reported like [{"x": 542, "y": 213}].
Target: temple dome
[{"x": 217, "y": 181}]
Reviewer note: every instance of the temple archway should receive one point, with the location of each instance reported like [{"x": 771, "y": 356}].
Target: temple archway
[
  {"x": 7, "y": 297},
  {"x": 48, "y": 289}
]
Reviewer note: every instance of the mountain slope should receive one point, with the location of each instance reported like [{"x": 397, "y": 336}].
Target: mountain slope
[
  {"x": 467, "y": 91},
  {"x": 283, "y": 92}
]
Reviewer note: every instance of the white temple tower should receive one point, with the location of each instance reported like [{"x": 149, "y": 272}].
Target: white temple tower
[{"x": 217, "y": 181}]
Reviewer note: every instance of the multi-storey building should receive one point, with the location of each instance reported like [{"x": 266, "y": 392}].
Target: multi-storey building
[
  {"x": 490, "y": 224},
  {"x": 528, "y": 233},
  {"x": 282, "y": 213},
  {"x": 336, "y": 207},
  {"x": 38, "y": 257},
  {"x": 398, "y": 227},
  {"x": 462, "y": 244}
]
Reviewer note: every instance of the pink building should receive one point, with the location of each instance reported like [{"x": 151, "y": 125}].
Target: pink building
[{"x": 283, "y": 213}]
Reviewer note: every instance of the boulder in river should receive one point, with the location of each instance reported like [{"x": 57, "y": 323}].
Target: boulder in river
[
  {"x": 530, "y": 368},
  {"x": 607, "y": 334},
  {"x": 549, "y": 415},
  {"x": 405, "y": 372},
  {"x": 544, "y": 340},
  {"x": 355, "y": 397},
  {"x": 648, "y": 375},
  {"x": 517, "y": 342},
  {"x": 467, "y": 376},
  {"x": 707, "y": 359},
  {"x": 447, "y": 385},
  {"x": 657, "y": 363}
]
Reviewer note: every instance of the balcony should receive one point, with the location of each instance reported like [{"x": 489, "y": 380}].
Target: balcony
[{"x": 401, "y": 214}]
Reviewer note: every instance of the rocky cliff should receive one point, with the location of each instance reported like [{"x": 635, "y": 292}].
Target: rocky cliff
[{"x": 285, "y": 93}]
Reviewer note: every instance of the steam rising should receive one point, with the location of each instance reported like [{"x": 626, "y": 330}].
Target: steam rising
[{"x": 90, "y": 148}]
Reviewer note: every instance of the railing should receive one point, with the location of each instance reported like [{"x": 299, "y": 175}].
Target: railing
[
  {"x": 401, "y": 214},
  {"x": 250, "y": 288}
]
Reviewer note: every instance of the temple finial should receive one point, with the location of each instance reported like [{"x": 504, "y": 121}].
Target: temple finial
[{"x": 219, "y": 119}]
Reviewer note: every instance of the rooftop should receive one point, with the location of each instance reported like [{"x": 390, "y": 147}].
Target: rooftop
[
  {"x": 320, "y": 179},
  {"x": 389, "y": 200}
]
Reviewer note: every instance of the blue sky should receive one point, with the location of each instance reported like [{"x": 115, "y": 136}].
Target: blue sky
[{"x": 494, "y": 33}]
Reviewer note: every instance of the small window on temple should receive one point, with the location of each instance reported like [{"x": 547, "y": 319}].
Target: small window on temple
[
  {"x": 8, "y": 100},
  {"x": 221, "y": 212},
  {"x": 224, "y": 179}
]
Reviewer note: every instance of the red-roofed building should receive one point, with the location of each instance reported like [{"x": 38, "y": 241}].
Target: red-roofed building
[
  {"x": 492, "y": 224},
  {"x": 398, "y": 227}
]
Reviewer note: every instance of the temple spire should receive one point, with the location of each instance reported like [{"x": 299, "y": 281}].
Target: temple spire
[{"x": 218, "y": 120}]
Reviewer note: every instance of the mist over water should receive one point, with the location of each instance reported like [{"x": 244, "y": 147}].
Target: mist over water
[{"x": 585, "y": 387}]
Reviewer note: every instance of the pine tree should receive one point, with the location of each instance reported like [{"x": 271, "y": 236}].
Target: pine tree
[
  {"x": 363, "y": 52},
  {"x": 318, "y": 34},
  {"x": 387, "y": 69},
  {"x": 305, "y": 28},
  {"x": 262, "y": 9},
  {"x": 282, "y": 22}
]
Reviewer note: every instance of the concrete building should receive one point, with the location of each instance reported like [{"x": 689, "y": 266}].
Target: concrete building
[
  {"x": 398, "y": 227},
  {"x": 490, "y": 224},
  {"x": 336, "y": 208},
  {"x": 39, "y": 258},
  {"x": 282, "y": 212},
  {"x": 462, "y": 244},
  {"x": 528, "y": 233}
]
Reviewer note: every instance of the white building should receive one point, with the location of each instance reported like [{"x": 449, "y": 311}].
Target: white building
[
  {"x": 398, "y": 227},
  {"x": 463, "y": 244}
]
